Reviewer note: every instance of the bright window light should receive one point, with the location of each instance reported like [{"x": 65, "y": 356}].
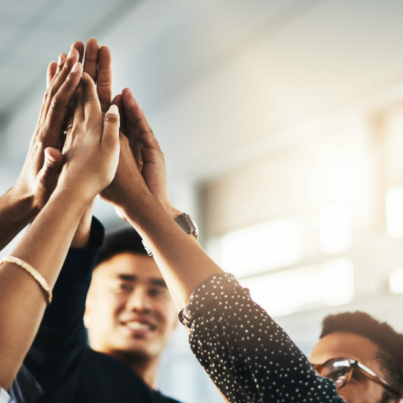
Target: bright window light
[
  {"x": 396, "y": 281},
  {"x": 394, "y": 212},
  {"x": 261, "y": 248},
  {"x": 335, "y": 228},
  {"x": 310, "y": 287}
]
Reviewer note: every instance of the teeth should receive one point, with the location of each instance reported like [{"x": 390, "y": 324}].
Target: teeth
[{"x": 137, "y": 326}]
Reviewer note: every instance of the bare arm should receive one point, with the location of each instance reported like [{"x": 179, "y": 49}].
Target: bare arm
[
  {"x": 38, "y": 178},
  {"x": 182, "y": 262},
  {"x": 141, "y": 184},
  {"x": 229, "y": 334},
  {"x": 91, "y": 155},
  {"x": 22, "y": 306},
  {"x": 98, "y": 65}
]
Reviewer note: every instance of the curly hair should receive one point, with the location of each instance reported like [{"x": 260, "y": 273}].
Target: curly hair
[{"x": 389, "y": 342}]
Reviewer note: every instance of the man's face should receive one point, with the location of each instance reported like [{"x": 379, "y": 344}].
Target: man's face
[
  {"x": 360, "y": 388},
  {"x": 129, "y": 309}
]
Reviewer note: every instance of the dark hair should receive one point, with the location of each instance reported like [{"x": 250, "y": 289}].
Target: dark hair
[
  {"x": 121, "y": 241},
  {"x": 389, "y": 342}
]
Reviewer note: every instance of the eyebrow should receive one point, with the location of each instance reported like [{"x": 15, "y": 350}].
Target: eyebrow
[
  {"x": 127, "y": 277},
  {"x": 154, "y": 281},
  {"x": 158, "y": 282}
]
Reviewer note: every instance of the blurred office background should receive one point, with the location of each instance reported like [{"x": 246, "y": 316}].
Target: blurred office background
[{"x": 282, "y": 127}]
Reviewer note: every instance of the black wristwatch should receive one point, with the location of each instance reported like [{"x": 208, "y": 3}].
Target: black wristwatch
[{"x": 186, "y": 223}]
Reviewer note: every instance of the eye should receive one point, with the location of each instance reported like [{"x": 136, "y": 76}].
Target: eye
[
  {"x": 126, "y": 287},
  {"x": 122, "y": 287},
  {"x": 156, "y": 292}
]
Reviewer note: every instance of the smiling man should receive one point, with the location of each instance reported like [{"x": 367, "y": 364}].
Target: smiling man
[
  {"x": 129, "y": 314},
  {"x": 362, "y": 356},
  {"x": 130, "y": 317}
]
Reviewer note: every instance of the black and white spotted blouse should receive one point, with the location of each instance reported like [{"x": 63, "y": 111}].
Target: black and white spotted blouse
[{"x": 246, "y": 354}]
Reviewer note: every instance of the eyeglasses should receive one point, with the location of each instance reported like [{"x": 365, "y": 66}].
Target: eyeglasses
[{"x": 340, "y": 371}]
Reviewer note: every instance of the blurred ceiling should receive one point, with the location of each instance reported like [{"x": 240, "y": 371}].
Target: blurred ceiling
[
  {"x": 222, "y": 81},
  {"x": 33, "y": 33}
]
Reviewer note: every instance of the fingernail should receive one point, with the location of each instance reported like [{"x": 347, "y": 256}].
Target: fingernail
[
  {"x": 70, "y": 54},
  {"x": 60, "y": 60},
  {"x": 113, "y": 110},
  {"x": 75, "y": 67}
]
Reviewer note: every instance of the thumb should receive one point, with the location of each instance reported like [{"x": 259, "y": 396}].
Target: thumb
[
  {"x": 53, "y": 160},
  {"x": 111, "y": 124},
  {"x": 53, "y": 163},
  {"x": 49, "y": 174}
]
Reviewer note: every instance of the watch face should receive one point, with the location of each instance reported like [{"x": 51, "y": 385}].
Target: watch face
[
  {"x": 195, "y": 229},
  {"x": 187, "y": 224}
]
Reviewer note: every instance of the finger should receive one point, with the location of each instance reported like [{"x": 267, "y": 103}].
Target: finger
[
  {"x": 51, "y": 72},
  {"x": 79, "y": 46},
  {"x": 129, "y": 105},
  {"x": 60, "y": 62},
  {"x": 136, "y": 119},
  {"x": 104, "y": 78},
  {"x": 57, "y": 113},
  {"x": 138, "y": 155},
  {"x": 59, "y": 80},
  {"x": 132, "y": 130},
  {"x": 111, "y": 125},
  {"x": 49, "y": 173},
  {"x": 118, "y": 102},
  {"x": 92, "y": 107},
  {"x": 54, "y": 72},
  {"x": 53, "y": 159},
  {"x": 91, "y": 58},
  {"x": 79, "y": 106}
]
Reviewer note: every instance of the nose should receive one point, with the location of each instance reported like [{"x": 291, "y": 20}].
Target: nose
[{"x": 139, "y": 301}]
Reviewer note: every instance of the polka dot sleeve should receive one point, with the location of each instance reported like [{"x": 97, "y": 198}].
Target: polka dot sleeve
[{"x": 246, "y": 354}]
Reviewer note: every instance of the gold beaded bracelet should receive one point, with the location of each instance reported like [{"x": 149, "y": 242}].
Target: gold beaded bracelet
[{"x": 34, "y": 273}]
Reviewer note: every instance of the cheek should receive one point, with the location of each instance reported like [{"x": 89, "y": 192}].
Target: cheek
[
  {"x": 105, "y": 310},
  {"x": 365, "y": 392},
  {"x": 167, "y": 312}
]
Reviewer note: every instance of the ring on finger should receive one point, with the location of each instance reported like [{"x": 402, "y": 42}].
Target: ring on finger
[{"x": 67, "y": 130}]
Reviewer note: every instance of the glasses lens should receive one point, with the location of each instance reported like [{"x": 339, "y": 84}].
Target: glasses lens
[{"x": 338, "y": 371}]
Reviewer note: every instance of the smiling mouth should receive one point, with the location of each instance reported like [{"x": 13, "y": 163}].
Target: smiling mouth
[{"x": 141, "y": 326}]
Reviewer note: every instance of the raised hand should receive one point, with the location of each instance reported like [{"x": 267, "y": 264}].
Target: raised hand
[
  {"x": 140, "y": 152},
  {"x": 91, "y": 149},
  {"x": 37, "y": 180},
  {"x": 90, "y": 155},
  {"x": 97, "y": 64}
]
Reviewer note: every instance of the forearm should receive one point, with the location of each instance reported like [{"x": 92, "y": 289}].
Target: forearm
[
  {"x": 82, "y": 236},
  {"x": 182, "y": 262},
  {"x": 15, "y": 214},
  {"x": 61, "y": 340},
  {"x": 22, "y": 302}
]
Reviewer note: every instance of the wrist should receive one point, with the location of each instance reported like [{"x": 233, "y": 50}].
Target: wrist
[
  {"x": 80, "y": 198},
  {"x": 172, "y": 211},
  {"x": 22, "y": 204},
  {"x": 82, "y": 235},
  {"x": 141, "y": 207}
]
